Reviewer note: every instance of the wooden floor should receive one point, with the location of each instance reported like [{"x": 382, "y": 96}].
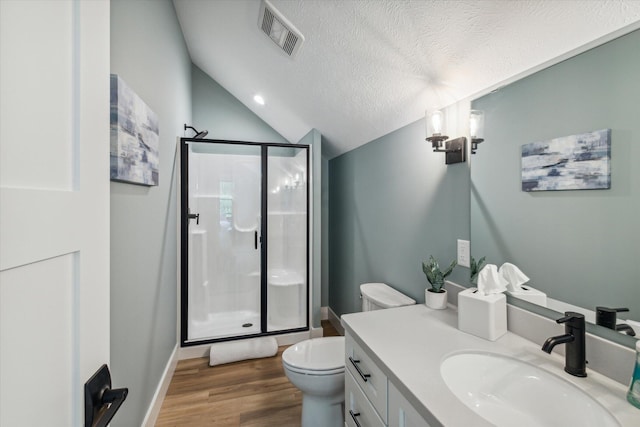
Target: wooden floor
[{"x": 252, "y": 393}]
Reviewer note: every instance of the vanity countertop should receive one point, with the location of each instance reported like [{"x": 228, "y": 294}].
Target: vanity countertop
[{"x": 409, "y": 344}]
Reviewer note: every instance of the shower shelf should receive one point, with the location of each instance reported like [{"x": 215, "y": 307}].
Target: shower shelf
[
  {"x": 278, "y": 277},
  {"x": 212, "y": 196},
  {"x": 286, "y": 213}
]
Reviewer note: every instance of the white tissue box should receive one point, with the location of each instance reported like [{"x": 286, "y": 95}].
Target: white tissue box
[
  {"x": 527, "y": 293},
  {"x": 484, "y": 316}
]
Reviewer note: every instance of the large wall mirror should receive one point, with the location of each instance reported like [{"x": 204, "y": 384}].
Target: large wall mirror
[{"x": 580, "y": 247}]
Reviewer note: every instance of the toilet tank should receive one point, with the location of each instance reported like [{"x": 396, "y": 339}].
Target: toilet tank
[{"x": 376, "y": 296}]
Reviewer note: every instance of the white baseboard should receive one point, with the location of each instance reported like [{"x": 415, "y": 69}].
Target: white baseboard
[
  {"x": 324, "y": 313},
  {"x": 194, "y": 352},
  {"x": 292, "y": 338},
  {"x": 317, "y": 332},
  {"x": 151, "y": 416},
  {"x": 335, "y": 321}
]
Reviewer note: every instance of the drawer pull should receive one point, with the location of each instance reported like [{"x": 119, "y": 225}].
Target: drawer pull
[
  {"x": 353, "y": 417},
  {"x": 355, "y": 365}
]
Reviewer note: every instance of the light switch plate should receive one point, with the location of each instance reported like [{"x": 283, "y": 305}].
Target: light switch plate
[{"x": 464, "y": 253}]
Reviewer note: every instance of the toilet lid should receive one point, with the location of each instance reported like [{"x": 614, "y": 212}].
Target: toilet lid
[
  {"x": 317, "y": 354},
  {"x": 384, "y": 295}
]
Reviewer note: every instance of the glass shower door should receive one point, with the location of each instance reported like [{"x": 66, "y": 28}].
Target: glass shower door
[
  {"x": 223, "y": 231},
  {"x": 287, "y": 248}
]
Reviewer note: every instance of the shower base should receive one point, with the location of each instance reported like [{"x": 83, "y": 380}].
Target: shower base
[{"x": 225, "y": 324}]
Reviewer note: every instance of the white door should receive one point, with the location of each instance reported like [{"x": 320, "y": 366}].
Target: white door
[{"x": 54, "y": 207}]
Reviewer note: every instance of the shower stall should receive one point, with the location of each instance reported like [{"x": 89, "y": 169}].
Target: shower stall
[{"x": 244, "y": 239}]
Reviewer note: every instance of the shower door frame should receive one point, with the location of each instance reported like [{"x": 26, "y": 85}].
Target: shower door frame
[{"x": 263, "y": 239}]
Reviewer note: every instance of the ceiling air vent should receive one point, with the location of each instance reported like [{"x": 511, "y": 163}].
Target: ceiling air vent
[{"x": 279, "y": 29}]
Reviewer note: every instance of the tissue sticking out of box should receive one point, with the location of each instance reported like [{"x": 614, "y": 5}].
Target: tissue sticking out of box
[
  {"x": 514, "y": 276},
  {"x": 490, "y": 281}
]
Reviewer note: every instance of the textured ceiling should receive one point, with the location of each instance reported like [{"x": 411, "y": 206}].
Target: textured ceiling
[{"x": 368, "y": 67}]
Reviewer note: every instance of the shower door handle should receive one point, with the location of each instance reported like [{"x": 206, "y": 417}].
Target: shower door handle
[
  {"x": 354, "y": 417},
  {"x": 255, "y": 239},
  {"x": 193, "y": 216}
]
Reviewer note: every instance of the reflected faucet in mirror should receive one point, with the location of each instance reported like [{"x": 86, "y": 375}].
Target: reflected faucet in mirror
[{"x": 606, "y": 317}]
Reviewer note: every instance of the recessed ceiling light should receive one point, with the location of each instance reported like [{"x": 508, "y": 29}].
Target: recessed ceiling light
[{"x": 259, "y": 99}]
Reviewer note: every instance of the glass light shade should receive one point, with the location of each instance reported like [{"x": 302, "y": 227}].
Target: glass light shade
[
  {"x": 435, "y": 123},
  {"x": 476, "y": 124}
]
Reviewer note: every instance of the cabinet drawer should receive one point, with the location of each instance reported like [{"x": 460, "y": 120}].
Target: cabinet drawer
[
  {"x": 367, "y": 375},
  {"x": 357, "y": 408},
  {"x": 401, "y": 412}
]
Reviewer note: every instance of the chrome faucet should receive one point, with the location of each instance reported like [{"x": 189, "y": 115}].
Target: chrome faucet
[{"x": 574, "y": 338}]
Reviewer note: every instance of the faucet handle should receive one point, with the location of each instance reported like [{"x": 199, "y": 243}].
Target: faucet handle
[{"x": 572, "y": 320}]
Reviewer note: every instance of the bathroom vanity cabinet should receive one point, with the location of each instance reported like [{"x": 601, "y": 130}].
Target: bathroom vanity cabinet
[
  {"x": 393, "y": 377},
  {"x": 370, "y": 398},
  {"x": 402, "y": 413}
]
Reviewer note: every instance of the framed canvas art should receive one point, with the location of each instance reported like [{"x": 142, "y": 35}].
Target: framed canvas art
[
  {"x": 135, "y": 137},
  {"x": 576, "y": 162}
]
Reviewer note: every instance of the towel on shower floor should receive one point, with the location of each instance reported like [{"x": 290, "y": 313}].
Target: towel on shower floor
[{"x": 233, "y": 351}]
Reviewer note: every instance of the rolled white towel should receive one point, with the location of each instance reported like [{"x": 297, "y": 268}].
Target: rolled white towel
[{"x": 233, "y": 351}]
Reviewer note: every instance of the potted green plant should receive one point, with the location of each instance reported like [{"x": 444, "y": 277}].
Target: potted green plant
[
  {"x": 436, "y": 296},
  {"x": 475, "y": 269}
]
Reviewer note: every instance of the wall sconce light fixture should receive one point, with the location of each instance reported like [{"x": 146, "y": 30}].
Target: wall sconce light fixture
[
  {"x": 454, "y": 149},
  {"x": 198, "y": 135},
  {"x": 476, "y": 129}
]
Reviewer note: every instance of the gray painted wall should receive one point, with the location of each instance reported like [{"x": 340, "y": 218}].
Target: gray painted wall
[
  {"x": 579, "y": 246},
  {"x": 392, "y": 203},
  {"x": 149, "y": 53},
  {"x": 216, "y": 110}
]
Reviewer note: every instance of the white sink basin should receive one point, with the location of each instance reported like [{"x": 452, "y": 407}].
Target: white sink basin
[{"x": 509, "y": 392}]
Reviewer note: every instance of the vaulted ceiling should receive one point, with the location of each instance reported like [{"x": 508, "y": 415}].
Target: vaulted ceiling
[{"x": 368, "y": 67}]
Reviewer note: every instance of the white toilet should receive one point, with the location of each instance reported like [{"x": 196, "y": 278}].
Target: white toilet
[{"x": 316, "y": 366}]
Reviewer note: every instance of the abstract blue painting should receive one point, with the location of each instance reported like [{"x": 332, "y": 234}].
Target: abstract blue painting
[
  {"x": 135, "y": 137},
  {"x": 576, "y": 162}
]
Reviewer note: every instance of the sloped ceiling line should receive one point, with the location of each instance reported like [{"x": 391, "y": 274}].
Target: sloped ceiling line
[{"x": 369, "y": 67}]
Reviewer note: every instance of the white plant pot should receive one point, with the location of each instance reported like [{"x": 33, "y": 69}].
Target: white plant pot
[{"x": 435, "y": 300}]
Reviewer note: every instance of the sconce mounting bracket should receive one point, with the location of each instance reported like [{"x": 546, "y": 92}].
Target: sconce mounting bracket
[
  {"x": 474, "y": 144},
  {"x": 455, "y": 150}
]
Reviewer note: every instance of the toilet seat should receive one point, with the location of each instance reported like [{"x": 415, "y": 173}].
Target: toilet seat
[
  {"x": 314, "y": 372},
  {"x": 317, "y": 356}
]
